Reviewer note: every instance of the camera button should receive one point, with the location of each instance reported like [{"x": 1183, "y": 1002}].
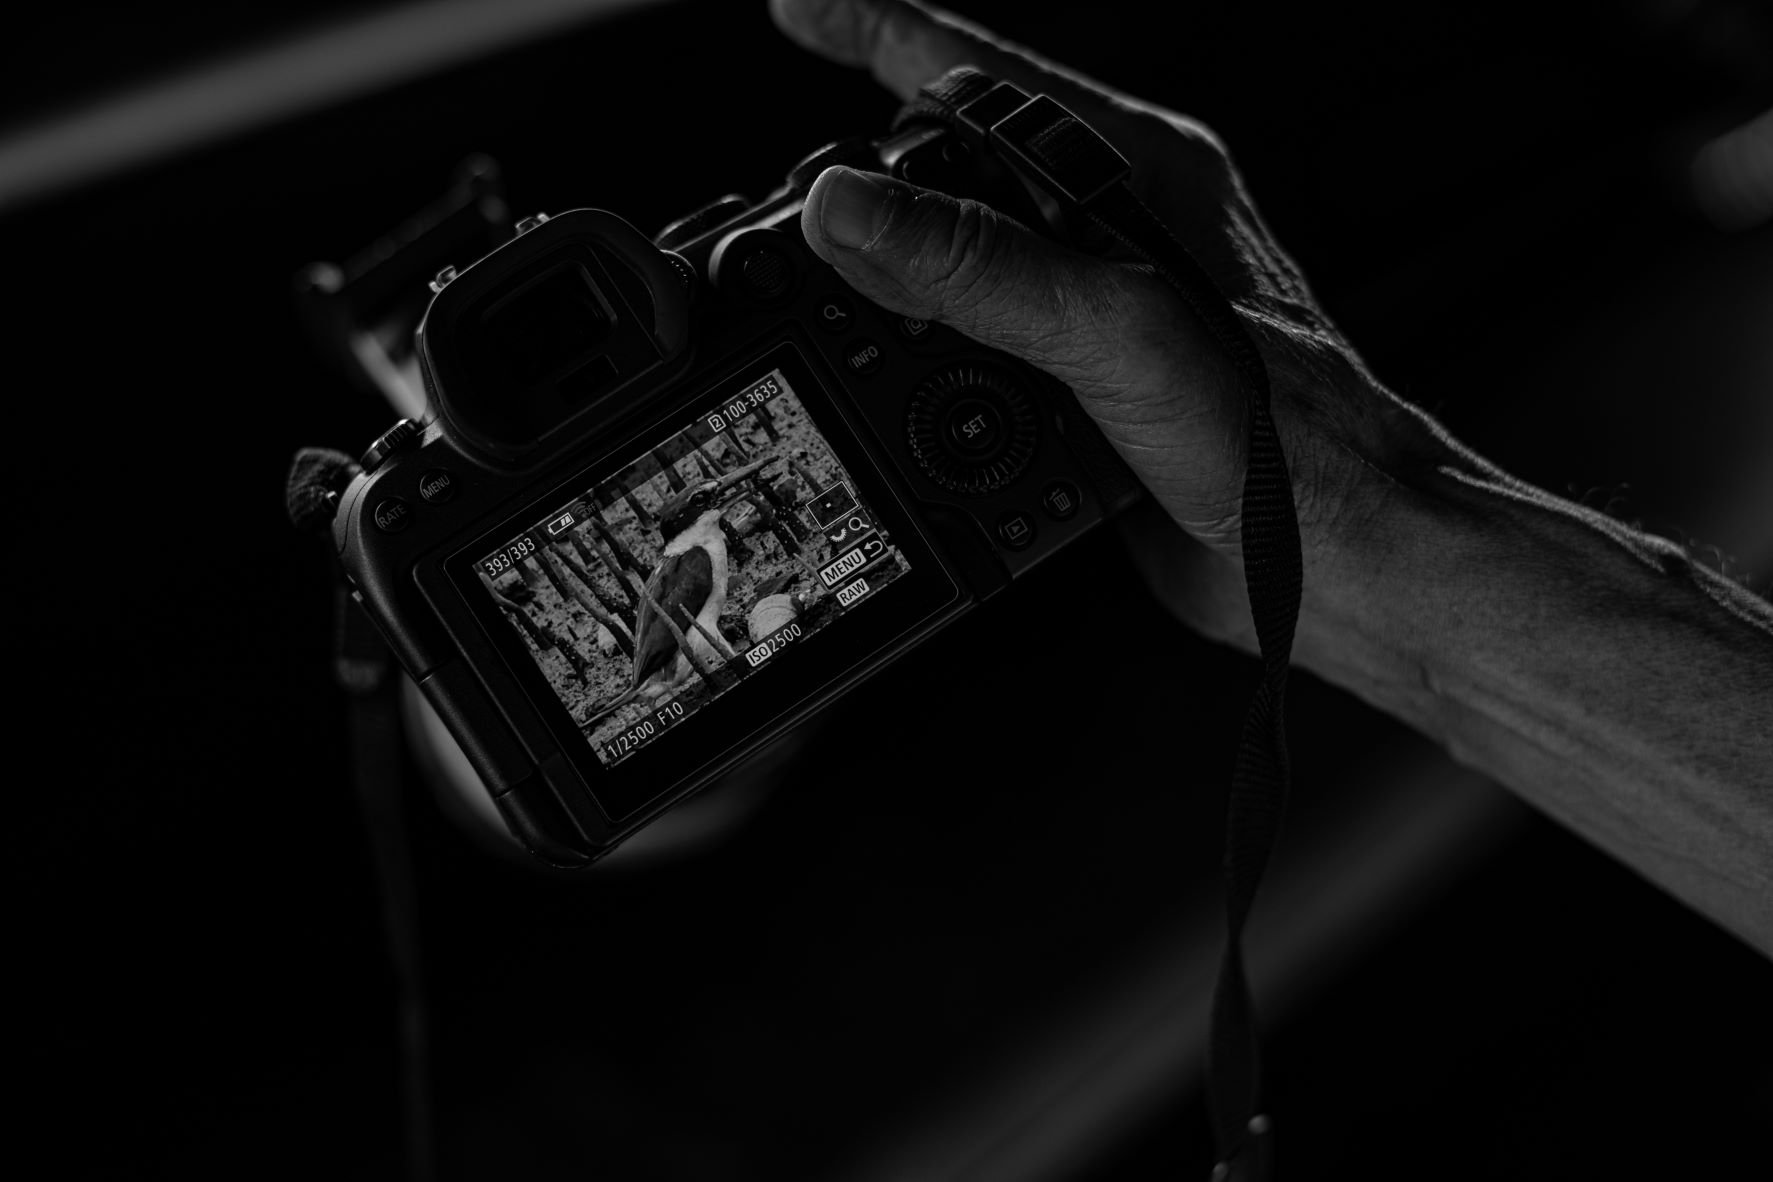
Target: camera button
[
  {"x": 863, "y": 357},
  {"x": 393, "y": 515},
  {"x": 975, "y": 426},
  {"x": 834, "y": 314},
  {"x": 697, "y": 222},
  {"x": 972, "y": 428},
  {"x": 437, "y": 486},
  {"x": 767, "y": 273},
  {"x": 912, "y": 328},
  {"x": 1061, "y": 499},
  {"x": 401, "y": 434},
  {"x": 1015, "y": 530}
]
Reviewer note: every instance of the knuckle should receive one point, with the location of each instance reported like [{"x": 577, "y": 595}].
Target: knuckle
[
  {"x": 1137, "y": 316},
  {"x": 963, "y": 262},
  {"x": 1095, "y": 329},
  {"x": 1203, "y": 142}
]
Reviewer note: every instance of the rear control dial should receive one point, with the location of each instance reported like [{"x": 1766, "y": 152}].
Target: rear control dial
[
  {"x": 972, "y": 428},
  {"x": 754, "y": 266},
  {"x": 767, "y": 273}
]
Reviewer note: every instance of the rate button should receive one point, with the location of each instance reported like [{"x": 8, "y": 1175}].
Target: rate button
[{"x": 393, "y": 515}]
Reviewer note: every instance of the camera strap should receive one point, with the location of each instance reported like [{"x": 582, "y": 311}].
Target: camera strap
[
  {"x": 365, "y": 671},
  {"x": 1068, "y": 160}
]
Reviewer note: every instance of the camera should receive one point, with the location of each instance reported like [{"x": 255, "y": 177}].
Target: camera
[{"x": 676, "y": 494}]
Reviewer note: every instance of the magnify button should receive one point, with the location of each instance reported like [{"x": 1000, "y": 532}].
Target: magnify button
[{"x": 834, "y": 314}]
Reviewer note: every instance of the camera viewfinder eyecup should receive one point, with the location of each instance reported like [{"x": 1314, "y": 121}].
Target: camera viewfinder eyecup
[{"x": 524, "y": 358}]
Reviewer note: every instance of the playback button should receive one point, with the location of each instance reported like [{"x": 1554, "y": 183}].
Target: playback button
[{"x": 1015, "y": 530}]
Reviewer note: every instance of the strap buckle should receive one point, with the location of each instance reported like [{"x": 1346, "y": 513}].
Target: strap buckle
[
  {"x": 1055, "y": 149},
  {"x": 1253, "y": 1160}
]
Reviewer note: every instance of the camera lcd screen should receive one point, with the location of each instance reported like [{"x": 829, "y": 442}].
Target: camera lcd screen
[{"x": 704, "y": 561}]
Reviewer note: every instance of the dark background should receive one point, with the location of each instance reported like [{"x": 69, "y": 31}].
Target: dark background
[{"x": 1498, "y": 209}]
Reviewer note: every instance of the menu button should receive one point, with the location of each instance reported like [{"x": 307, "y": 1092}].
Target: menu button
[{"x": 437, "y": 486}]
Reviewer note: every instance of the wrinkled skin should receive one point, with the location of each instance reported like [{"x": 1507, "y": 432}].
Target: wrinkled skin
[
  {"x": 1595, "y": 669},
  {"x": 1139, "y": 361}
]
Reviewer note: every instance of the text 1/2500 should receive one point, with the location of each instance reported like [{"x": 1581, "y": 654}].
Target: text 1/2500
[{"x": 643, "y": 732}]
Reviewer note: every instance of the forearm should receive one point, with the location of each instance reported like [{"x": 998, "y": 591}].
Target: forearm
[{"x": 1594, "y": 670}]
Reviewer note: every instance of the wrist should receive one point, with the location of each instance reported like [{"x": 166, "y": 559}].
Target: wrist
[{"x": 1389, "y": 558}]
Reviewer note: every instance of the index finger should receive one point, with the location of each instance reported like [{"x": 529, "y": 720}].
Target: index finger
[{"x": 907, "y": 45}]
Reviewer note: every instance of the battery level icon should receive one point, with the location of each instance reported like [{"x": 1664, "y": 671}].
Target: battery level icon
[{"x": 561, "y": 524}]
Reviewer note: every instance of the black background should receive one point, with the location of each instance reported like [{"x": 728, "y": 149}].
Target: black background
[{"x": 1495, "y": 206}]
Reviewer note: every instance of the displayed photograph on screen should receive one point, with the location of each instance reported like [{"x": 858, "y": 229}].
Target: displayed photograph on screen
[{"x": 645, "y": 597}]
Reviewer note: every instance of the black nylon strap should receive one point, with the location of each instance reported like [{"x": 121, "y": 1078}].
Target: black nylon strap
[
  {"x": 365, "y": 670},
  {"x": 939, "y": 100},
  {"x": 1069, "y": 160}
]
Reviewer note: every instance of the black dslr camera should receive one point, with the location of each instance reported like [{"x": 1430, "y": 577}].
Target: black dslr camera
[{"x": 677, "y": 494}]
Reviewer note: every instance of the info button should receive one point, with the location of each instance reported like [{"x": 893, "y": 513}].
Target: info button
[{"x": 863, "y": 357}]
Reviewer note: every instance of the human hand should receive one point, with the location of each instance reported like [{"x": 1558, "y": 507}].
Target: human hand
[
  {"x": 1590, "y": 667},
  {"x": 1139, "y": 361}
]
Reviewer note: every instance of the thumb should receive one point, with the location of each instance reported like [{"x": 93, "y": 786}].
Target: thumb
[
  {"x": 926, "y": 254},
  {"x": 1139, "y": 361}
]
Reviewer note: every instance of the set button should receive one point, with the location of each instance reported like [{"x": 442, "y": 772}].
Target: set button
[
  {"x": 975, "y": 426},
  {"x": 972, "y": 428}
]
